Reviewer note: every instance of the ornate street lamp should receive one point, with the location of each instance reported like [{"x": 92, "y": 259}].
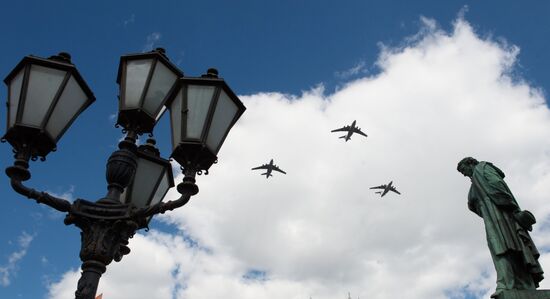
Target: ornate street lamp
[
  {"x": 152, "y": 180},
  {"x": 145, "y": 80},
  {"x": 201, "y": 115},
  {"x": 46, "y": 95},
  {"x": 44, "y": 98}
]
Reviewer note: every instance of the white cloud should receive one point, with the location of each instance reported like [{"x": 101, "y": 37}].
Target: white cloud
[
  {"x": 151, "y": 41},
  {"x": 319, "y": 231},
  {"x": 67, "y": 194},
  {"x": 357, "y": 69},
  {"x": 8, "y": 270}
]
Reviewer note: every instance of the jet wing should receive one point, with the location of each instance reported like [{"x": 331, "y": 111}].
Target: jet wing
[
  {"x": 265, "y": 166},
  {"x": 278, "y": 169},
  {"x": 394, "y": 190},
  {"x": 379, "y": 187},
  {"x": 343, "y": 129},
  {"x": 358, "y": 131}
]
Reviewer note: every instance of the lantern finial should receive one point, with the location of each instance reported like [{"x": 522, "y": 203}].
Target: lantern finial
[
  {"x": 211, "y": 73},
  {"x": 161, "y": 51},
  {"x": 62, "y": 57}
]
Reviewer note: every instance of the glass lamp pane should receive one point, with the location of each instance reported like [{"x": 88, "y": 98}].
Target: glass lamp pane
[
  {"x": 15, "y": 93},
  {"x": 71, "y": 101},
  {"x": 145, "y": 180},
  {"x": 198, "y": 102},
  {"x": 147, "y": 175},
  {"x": 175, "y": 119},
  {"x": 161, "y": 83},
  {"x": 137, "y": 72},
  {"x": 43, "y": 86},
  {"x": 161, "y": 190},
  {"x": 225, "y": 112}
]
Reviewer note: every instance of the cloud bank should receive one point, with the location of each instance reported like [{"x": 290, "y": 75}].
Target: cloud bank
[
  {"x": 9, "y": 269},
  {"x": 319, "y": 231}
]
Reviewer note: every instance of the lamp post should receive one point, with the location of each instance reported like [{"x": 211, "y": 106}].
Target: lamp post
[{"x": 46, "y": 95}]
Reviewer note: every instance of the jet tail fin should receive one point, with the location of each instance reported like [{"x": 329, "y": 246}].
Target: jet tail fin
[
  {"x": 343, "y": 136},
  {"x": 267, "y": 174}
]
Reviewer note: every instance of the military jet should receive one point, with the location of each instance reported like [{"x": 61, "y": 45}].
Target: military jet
[
  {"x": 350, "y": 129},
  {"x": 385, "y": 189},
  {"x": 269, "y": 167}
]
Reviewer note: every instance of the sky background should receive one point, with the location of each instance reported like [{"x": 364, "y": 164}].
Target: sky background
[{"x": 430, "y": 82}]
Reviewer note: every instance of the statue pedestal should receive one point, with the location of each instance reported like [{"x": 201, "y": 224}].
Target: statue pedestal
[{"x": 524, "y": 294}]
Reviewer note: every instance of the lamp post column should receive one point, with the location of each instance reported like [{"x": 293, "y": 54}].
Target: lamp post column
[
  {"x": 102, "y": 242},
  {"x": 106, "y": 225},
  {"x": 88, "y": 282}
]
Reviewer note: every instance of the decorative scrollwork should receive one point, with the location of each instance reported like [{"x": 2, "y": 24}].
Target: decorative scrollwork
[{"x": 104, "y": 240}]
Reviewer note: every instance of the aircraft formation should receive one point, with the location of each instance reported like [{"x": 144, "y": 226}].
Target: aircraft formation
[{"x": 350, "y": 130}]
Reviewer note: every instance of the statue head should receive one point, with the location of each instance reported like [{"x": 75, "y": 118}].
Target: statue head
[{"x": 466, "y": 166}]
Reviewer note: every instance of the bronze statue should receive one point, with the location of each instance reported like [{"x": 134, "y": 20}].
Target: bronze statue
[{"x": 514, "y": 254}]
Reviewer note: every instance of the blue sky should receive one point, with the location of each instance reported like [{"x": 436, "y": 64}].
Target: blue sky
[{"x": 285, "y": 49}]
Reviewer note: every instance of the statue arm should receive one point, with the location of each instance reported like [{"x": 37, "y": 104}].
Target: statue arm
[
  {"x": 499, "y": 193},
  {"x": 490, "y": 185}
]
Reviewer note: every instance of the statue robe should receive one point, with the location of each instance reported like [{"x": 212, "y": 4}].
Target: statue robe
[{"x": 491, "y": 199}]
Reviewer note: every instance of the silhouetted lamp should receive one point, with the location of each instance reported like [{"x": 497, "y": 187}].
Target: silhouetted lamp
[
  {"x": 201, "y": 115},
  {"x": 44, "y": 97},
  {"x": 146, "y": 81},
  {"x": 152, "y": 179}
]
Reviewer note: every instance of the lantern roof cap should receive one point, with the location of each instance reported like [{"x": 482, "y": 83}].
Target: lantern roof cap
[
  {"x": 209, "y": 79},
  {"x": 160, "y": 53},
  {"x": 150, "y": 147},
  {"x": 60, "y": 61},
  {"x": 150, "y": 152}
]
